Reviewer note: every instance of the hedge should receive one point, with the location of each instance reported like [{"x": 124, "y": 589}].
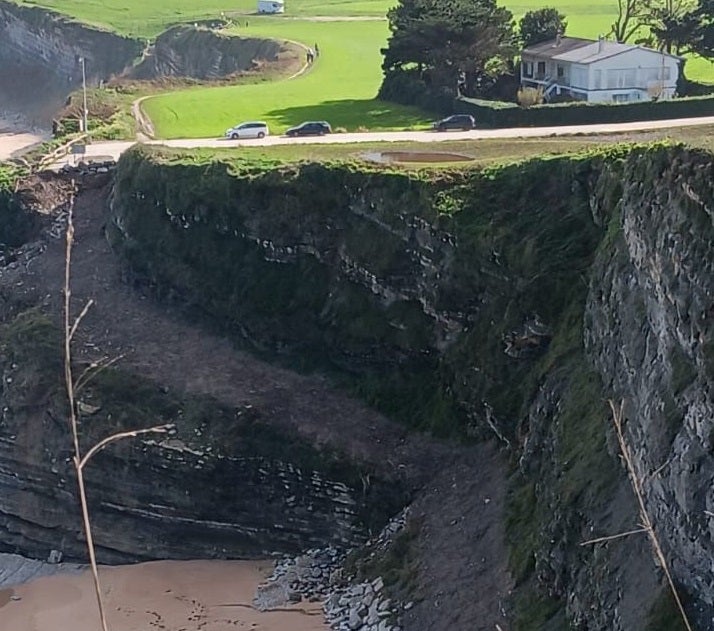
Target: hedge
[{"x": 502, "y": 114}]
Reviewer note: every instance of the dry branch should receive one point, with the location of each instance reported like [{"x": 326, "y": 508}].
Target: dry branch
[
  {"x": 72, "y": 387},
  {"x": 646, "y": 521}
]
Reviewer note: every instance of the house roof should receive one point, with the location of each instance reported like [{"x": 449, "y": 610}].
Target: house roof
[{"x": 583, "y": 51}]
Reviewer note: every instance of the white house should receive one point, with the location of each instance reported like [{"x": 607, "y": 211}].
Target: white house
[
  {"x": 599, "y": 71},
  {"x": 271, "y": 6}
]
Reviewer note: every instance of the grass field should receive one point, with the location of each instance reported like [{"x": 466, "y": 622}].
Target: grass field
[
  {"x": 340, "y": 87},
  {"x": 147, "y": 18},
  {"x": 142, "y": 18}
]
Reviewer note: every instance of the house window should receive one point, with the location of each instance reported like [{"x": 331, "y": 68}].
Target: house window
[
  {"x": 663, "y": 73},
  {"x": 527, "y": 68},
  {"x": 578, "y": 77},
  {"x": 541, "y": 68},
  {"x": 560, "y": 71},
  {"x": 620, "y": 98},
  {"x": 598, "y": 79}
]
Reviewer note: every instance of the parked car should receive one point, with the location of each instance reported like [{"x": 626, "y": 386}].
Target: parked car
[
  {"x": 251, "y": 129},
  {"x": 457, "y": 121},
  {"x": 310, "y": 128}
]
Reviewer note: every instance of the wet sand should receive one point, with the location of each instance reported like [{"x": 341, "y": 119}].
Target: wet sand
[
  {"x": 165, "y": 595},
  {"x": 14, "y": 137}
]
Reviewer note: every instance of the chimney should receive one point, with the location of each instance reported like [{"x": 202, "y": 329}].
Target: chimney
[
  {"x": 558, "y": 38},
  {"x": 600, "y": 43}
]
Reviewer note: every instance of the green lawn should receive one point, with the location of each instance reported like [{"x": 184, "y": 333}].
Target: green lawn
[
  {"x": 147, "y": 18},
  {"x": 340, "y": 87},
  {"x": 144, "y": 18}
]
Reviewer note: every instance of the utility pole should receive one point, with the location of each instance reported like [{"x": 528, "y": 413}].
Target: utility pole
[{"x": 84, "y": 96}]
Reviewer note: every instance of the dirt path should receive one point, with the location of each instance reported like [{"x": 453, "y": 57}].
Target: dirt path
[{"x": 460, "y": 527}]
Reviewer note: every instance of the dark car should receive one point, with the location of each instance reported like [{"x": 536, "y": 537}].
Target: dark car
[
  {"x": 457, "y": 121},
  {"x": 310, "y": 128}
]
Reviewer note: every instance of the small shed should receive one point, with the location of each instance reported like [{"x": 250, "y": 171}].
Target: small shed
[{"x": 271, "y": 6}]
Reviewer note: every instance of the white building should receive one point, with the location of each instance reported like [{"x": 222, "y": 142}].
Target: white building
[
  {"x": 271, "y": 6},
  {"x": 599, "y": 71}
]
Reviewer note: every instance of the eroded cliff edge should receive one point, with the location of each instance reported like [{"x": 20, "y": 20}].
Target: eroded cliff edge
[
  {"x": 511, "y": 303},
  {"x": 41, "y": 54}
]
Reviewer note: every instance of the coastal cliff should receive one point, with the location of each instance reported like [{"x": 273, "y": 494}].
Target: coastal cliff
[
  {"x": 508, "y": 303},
  {"x": 40, "y": 53}
]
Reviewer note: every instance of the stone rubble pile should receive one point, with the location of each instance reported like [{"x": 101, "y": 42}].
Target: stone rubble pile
[
  {"x": 361, "y": 607},
  {"x": 89, "y": 168},
  {"x": 318, "y": 575},
  {"x": 310, "y": 576},
  {"x": 390, "y": 531}
]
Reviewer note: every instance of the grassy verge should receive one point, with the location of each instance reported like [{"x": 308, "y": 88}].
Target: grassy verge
[
  {"x": 482, "y": 152},
  {"x": 9, "y": 173}
]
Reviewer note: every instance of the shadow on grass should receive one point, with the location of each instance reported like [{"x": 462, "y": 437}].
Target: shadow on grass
[{"x": 353, "y": 114}]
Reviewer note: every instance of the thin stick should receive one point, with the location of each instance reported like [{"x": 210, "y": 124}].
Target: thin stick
[
  {"x": 658, "y": 470},
  {"x": 79, "y": 318},
  {"x": 617, "y": 413},
  {"x": 87, "y": 374},
  {"x": 611, "y": 537},
  {"x": 70, "y": 328},
  {"x": 158, "y": 429},
  {"x": 73, "y": 421}
]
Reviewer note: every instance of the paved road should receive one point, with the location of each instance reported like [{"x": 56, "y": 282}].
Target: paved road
[{"x": 115, "y": 149}]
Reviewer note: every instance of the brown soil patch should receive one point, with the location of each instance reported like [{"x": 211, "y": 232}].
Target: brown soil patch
[
  {"x": 426, "y": 157},
  {"x": 421, "y": 156}
]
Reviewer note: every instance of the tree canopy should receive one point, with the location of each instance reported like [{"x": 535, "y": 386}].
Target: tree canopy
[
  {"x": 700, "y": 21},
  {"x": 449, "y": 41},
  {"x": 541, "y": 25},
  {"x": 674, "y": 26}
]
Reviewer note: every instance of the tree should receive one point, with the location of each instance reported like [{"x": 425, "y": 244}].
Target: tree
[
  {"x": 671, "y": 24},
  {"x": 541, "y": 25},
  {"x": 632, "y": 15},
  {"x": 702, "y": 36},
  {"x": 443, "y": 41},
  {"x": 662, "y": 24}
]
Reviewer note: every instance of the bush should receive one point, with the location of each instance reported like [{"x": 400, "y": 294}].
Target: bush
[
  {"x": 528, "y": 97},
  {"x": 502, "y": 114}
]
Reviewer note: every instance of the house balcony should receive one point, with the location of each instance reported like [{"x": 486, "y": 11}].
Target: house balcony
[{"x": 546, "y": 80}]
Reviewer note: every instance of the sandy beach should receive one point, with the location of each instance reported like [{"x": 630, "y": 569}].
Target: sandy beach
[
  {"x": 164, "y": 595},
  {"x": 14, "y": 137}
]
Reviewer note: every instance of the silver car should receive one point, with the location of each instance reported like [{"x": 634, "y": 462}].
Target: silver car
[{"x": 251, "y": 129}]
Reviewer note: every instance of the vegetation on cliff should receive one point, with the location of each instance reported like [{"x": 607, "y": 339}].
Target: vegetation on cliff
[
  {"x": 15, "y": 223},
  {"x": 453, "y": 300}
]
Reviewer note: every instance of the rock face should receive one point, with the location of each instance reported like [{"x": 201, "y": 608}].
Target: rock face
[
  {"x": 226, "y": 486},
  {"x": 650, "y": 334},
  {"x": 510, "y": 303},
  {"x": 201, "y": 53},
  {"x": 40, "y": 53}
]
